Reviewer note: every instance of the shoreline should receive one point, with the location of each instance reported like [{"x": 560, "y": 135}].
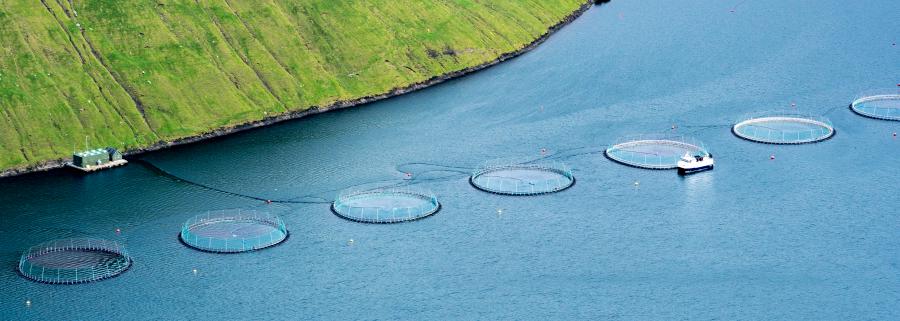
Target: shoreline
[{"x": 397, "y": 91}]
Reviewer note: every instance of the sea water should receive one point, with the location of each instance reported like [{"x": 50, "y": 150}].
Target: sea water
[{"x": 812, "y": 234}]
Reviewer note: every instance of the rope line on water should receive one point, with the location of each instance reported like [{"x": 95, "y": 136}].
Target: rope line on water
[
  {"x": 169, "y": 175},
  {"x": 298, "y": 199},
  {"x": 832, "y": 109}
]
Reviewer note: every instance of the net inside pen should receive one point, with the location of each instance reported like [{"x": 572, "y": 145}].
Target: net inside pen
[
  {"x": 385, "y": 205},
  {"x": 233, "y": 231},
  {"x": 879, "y": 104},
  {"x": 518, "y": 177},
  {"x": 784, "y": 128},
  {"x": 74, "y": 260}
]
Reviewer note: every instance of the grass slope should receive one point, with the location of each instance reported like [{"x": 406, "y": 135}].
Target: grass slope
[{"x": 131, "y": 73}]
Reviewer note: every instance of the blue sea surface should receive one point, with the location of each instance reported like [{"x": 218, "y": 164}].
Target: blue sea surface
[{"x": 813, "y": 234}]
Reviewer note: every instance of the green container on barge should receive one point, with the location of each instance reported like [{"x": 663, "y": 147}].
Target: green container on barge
[{"x": 97, "y": 159}]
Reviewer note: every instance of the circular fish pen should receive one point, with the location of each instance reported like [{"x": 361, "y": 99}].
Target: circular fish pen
[
  {"x": 520, "y": 178},
  {"x": 233, "y": 231},
  {"x": 74, "y": 260},
  {"x": 784, "y": 128},
  {"x": 880, "y": 104},
  {"x": 385, "y": 205},
  {"x": 654, "y": 151}
]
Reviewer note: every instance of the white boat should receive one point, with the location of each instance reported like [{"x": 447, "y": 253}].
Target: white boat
[{"x": 694, "y": 163}]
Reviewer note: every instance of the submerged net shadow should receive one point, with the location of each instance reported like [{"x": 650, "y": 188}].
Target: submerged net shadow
[
  {"x": 783, "y": 128},
  {"x": 385, "y": 204},
  {"x": 518, "y": 177},
  {"x": 654, "y": 151},
  {"x": 74, "y": 260},
  {"x": 233, "y": 231},
  {"x": 879, "y": 104}
]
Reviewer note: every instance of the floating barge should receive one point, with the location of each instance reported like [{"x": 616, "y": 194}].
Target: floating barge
[{"x": 97, "y": 159}]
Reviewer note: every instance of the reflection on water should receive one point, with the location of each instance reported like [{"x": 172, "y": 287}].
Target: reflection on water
[{"x": 700, "y": 190}]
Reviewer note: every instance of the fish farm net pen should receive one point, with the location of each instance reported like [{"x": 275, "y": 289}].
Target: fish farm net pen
[
  {"x": 519, "y": 177},
  {"x": 879, "y": 104},
  {"x": 783, "y": 128},
  {"x": 385, "y": 205},
  {"x": 74, "y": 261},
  {"x": 233, "y": 231},
  {"x": 654, "y": 151}
]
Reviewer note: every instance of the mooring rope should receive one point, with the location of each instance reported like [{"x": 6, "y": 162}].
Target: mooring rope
[
  {"x": 167, "y": 174},
  {"x": 832, "y": 109}
]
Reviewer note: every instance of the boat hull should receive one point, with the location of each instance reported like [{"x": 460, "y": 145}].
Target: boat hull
[{"x": 686, "y": 171}]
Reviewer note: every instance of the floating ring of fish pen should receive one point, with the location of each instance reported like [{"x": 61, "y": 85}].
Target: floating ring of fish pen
[
  {"x": 784, "y": 128},
  {"x": 654, "y": 151},
  {"x": 74, "y": 261},
  {"x": 385, "y": 205},
  {"x": 233, "y": 231},
  {"x": 882, "y": 104},
  {"x": 520, "y": 178}
]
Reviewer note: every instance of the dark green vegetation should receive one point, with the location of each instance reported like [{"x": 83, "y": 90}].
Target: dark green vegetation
[{"x": 130, "y": 74}]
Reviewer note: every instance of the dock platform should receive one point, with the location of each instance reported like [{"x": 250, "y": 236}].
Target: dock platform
[{"x": 115, "y": 163}]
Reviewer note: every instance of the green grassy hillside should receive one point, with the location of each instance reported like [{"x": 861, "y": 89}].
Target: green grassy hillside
[{"x": 131, "y": 73}]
